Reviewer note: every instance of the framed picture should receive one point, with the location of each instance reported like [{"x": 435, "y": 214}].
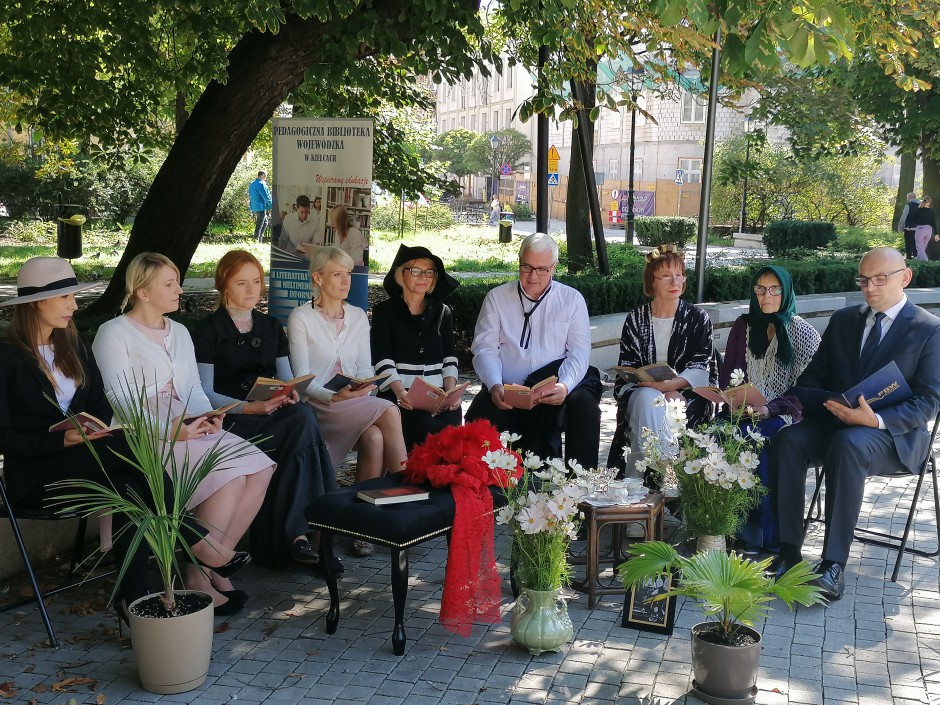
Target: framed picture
[{"x": 641, "y": 612}]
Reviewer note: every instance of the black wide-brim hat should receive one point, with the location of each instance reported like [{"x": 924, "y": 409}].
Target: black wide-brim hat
[{"x": 445, "y": 283}]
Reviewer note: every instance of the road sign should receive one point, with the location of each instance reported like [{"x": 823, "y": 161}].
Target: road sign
[
  {"x": 679, "y": 174},
  {"x": 615, "y": 193},
  {"x": 553, "y": 158},
  {"x": 505, "y": 169},
  {"x": 553, "y": 179}
]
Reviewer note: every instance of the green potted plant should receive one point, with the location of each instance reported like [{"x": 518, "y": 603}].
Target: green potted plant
[
  {"x": 734, "y": 592},
  {"x": 171, "y": 631}
]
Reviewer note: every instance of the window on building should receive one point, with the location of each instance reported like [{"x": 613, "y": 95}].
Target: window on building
[
  {"x": 509, "y": 72},
  {"x": 609, "y": 126},
  {"x": 463, "y": 96},
  {"x": 508, "y": 122},
  {"x": 473, "y": 123},
  {"x": 453, "y": 123},
  {"x": 692, "y": 107},
  {"x": 463, "y": 121},
  {"x": 495, "y": 120},
  {"x": 497, "y": 75},
  {"x": 613, "y": 168},
  {"x": 692, "y": 171},
  {"x": 483, "y": 122}
]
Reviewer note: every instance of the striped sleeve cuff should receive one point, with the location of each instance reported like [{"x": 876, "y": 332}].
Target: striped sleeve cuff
[{"x": 387, "y": 365}]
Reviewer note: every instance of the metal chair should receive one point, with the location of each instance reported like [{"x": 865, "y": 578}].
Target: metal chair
[
  {"x": 7, "y": 510},
  {"x": 887, "y": 540}
]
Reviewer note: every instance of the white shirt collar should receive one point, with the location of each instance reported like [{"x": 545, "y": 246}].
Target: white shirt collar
[{"x": 890, "y": 313}]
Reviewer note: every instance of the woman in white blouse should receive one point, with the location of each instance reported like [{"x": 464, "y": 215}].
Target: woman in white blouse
[
  {"x": 328, "y": 336},
  {"x": 143, "y": 347}
]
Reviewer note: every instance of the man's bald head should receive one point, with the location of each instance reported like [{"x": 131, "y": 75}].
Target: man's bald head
[{"x": 887, "y": 263}]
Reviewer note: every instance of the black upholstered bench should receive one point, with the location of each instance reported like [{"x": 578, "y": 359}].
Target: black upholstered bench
[{"x": 398, "y": 526}]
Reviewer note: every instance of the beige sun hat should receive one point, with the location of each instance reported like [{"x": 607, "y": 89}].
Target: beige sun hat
[{"x": 44, "y": 278}]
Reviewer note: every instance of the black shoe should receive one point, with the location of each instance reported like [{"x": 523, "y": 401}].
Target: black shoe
[
  {"x": 302, "y": 552},
  {"x": 831, "y": 580},
  {"x": 229, "y": 608},
  {"x": 320, "y": 569},
  {"x": 779, "y": 566},
  {"x": 239, "y": 561},
  {"x": 235, "y": 595}
]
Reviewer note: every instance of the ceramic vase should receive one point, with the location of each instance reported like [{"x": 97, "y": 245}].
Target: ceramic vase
[{"x": 540, "y": 621}]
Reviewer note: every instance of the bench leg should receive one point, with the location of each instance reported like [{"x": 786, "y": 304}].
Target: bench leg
[
  {"x": 399, "y": 593},
  {"x": 326, "y": 560}
]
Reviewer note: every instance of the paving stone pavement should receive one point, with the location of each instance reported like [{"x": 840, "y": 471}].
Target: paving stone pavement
[{"x": 879, "y": 645}]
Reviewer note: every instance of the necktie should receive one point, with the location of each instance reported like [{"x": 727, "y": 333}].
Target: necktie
[{"x": 874, "y": 338}]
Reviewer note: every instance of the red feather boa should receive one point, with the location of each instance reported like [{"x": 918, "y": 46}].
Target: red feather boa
[{"x": 454, "y": 458}]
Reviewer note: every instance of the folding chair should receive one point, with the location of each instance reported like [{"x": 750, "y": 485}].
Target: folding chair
[
  {"x": 45, "y": 515},
  {"x": 887, "y": 540}
]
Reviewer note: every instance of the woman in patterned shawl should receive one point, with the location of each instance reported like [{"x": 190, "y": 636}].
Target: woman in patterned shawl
[
  {"x": 772, "y": 345},
  {"x": 668, "y": 330}
]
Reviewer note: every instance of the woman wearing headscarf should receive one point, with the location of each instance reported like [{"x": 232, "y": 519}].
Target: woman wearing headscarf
[
  {"x": 413, "y": 336},
  {"x": 772, "y": 346}
]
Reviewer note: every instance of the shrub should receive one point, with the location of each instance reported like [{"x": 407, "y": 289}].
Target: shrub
[
  {"x": 782, "y": 236},
  {"x": 233, "y": 210},
  {"x": 436, "y": 216},
  {"x": 522, "y": 211},
  {"x": 655, "y": 230},
  {"x": 30, "y": 232},
  {"x": 860, "y": 240}
]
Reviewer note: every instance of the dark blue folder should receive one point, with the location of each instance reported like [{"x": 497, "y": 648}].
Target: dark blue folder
[{"x": 882, "y": 389}]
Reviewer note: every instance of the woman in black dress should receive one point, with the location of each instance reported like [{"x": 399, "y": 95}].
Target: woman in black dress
[
  {"x": 234, "y": 346},
  {"x": 413, "y": 336}
]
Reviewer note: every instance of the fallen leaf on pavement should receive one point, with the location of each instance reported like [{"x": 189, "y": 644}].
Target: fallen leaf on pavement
[
  {"x": 295, "y": 675},
  {"x": 68, "y": 685},
  {"x": 7, "y": 690},
  {"x": 100, "y": 698}
]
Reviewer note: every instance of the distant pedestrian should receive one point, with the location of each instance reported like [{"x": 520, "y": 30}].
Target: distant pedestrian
[
  {"x": 924, "y": 221},
  {"x": 259, "y": 200},
  {"x": 907, "y": 229},
  {"x": 494, "y": 210}
]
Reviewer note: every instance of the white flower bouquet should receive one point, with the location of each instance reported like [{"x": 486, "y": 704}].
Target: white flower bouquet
[
  {"x": 713, "y": 466},
  {"x": 542, "y": 510}
]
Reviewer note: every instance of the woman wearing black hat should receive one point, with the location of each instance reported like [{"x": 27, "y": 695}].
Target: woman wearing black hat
[
  {"x": 46, "y": 374},
  {"x": 413, "y": 336}
]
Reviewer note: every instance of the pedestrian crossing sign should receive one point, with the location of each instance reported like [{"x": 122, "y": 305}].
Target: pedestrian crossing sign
[{"x": 553, "y": 179}]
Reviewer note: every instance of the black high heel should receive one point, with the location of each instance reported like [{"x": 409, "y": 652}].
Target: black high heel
[{"x": 239, "y": 561}]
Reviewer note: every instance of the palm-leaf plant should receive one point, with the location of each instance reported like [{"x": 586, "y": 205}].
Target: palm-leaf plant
[
  {"x": 732, "y": 590},
  {"x": 159, "y": 522}
]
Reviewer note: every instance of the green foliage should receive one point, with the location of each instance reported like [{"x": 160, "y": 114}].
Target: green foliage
[
  {"x": 522, "y": 211},
  {"x": 660, "y": 230},
  {"x": 454, "y": 146},
  {"x": 233, "y": 209},
  {"x": 785, "y": 235},
  {"x": 29, "y": 231},
  {"x": 859, "y": 240},
  {"x": 513, "y": 148},
  {"x": 433, "y": 217},
  {"x": 731, "y": 589}
]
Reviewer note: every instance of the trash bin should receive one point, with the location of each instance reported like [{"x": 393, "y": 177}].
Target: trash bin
[
  {"x": 505, "y": 231},
  {"x": 69, "y": 222}
]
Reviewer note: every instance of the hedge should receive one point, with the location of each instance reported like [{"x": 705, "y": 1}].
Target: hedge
[
  {"x": 783, "y": 236},
  {"x": 656, "y": 230}
]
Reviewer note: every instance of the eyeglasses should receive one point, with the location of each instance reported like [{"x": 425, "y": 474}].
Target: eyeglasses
[
  {"x": 527, "y": 269},
  {"x": 671, "y": 278},
  {"x": 772, "y": 290},
  {"x": 877, "y": 280},
  {"x": 418, "y": 272}
]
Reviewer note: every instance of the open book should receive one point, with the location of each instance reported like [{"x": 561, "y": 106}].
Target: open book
[
  {"x": 657, "y": 372},
  {"x": 355, "y": 383},
  {"x": 432, "y": 399},
  {"x": 85, "y": 422},
  {"x": 733, "y": 397},
  {"x": 518, "y": 396},
  {"x": 267, "y": 388},
  {"x": 215, "y": 413}
]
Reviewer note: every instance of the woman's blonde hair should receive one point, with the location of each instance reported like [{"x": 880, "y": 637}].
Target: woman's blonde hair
[
  {"x": 141, "y": 273},
  {"x": 230, "y": 263},
  {"x": 321, "y": 257},
  {"x": 400, "y": 273},
  {"x": 339, "y": 216}
]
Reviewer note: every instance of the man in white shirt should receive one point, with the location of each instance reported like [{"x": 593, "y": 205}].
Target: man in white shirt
[
  {"x": 528, "y": 330},
  {"x": 300, "y": 228}
]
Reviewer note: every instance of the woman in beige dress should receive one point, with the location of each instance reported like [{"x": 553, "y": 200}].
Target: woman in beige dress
[{"x": 143, "y": 347}]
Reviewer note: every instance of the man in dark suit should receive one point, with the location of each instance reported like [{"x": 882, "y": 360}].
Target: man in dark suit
[{"x": 854, "y": 444}]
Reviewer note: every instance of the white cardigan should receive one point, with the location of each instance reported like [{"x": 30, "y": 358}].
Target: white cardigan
[
  {"x": 314, "y": 346},
  {"x": 125, "y": 356}
]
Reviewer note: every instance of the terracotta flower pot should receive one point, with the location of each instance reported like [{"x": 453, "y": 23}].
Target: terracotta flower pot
[
  {"x": 172, "y": 653},
  {"x": 724, "y": 674}
]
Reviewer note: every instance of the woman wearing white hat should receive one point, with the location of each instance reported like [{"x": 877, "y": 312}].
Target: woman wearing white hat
[{"x": 42, "y": 358}]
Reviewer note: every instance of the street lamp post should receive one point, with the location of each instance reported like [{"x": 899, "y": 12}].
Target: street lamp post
[
  {"x": 494, "y": 143},
  {"x": 748, "y": 128},
  {"x": 635, "y": 71}
]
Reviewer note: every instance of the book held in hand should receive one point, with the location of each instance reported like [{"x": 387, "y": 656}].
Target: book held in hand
[
  {"x": 215, "y": 413},
  {"x": 340, "y": 381},
  {"x": 884, "y": 388},
  {"x": 85, "y": 422},
  {"x": 266, "y": 388},
  {"x": 657, "y": 372},
  {"x": 394, "y": 495},
  {"x": 733, "y": 397},
  {"x": 519, "y": 396},
  {"x": 433, "y": 399}
]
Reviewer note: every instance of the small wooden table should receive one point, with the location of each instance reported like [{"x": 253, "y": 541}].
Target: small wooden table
[{"x": 648, "y": 513}]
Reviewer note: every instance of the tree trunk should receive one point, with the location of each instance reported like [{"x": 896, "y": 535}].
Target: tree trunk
[
  {"x": 905, "y": 186},
  {"x": 931, "y": 178},
  {"x": 578, "y": 211}
]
